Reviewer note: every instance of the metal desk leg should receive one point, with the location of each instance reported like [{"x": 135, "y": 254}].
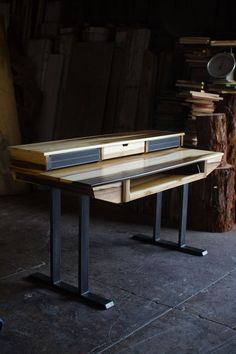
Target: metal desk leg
[
  {"x": 85, "y": 294},
  {"x": 55, "y": 237},
  {"x": 181, "y": 245},
  {"x": 81, "y": 292}
]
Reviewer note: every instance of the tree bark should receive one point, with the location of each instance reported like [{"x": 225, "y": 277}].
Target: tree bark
[{"x": 211, "y": 202}]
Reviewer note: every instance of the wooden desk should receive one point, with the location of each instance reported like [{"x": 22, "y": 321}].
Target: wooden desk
[{"x": 114, "y": 168}]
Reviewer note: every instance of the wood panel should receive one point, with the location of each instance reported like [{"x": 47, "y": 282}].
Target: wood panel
[
  {"x": 38, "y": 51},
  {"x": 9, "y": 126},
  {"x": 51, "y": 86},
  {"x": 137, "y": 42},
  {"x": 145, "y": 105},
  {"x": 113, "y": 91},
  {"x": 86, "y": 90}
]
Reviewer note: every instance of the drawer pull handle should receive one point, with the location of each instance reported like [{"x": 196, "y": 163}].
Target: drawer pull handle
[{"x": 125, "y": 144}]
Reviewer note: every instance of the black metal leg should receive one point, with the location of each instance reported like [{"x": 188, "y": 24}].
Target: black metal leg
[
  {"x": 83, "y": 244},
  {"x": 157, "y": 217},
  {"x": 84, "y": 257},
  {"x": 55, "y": 237},
  {"x": 181, "y": 245},
  {"x": 54, "y": 281},
  {"x": 183, "y": 214}
]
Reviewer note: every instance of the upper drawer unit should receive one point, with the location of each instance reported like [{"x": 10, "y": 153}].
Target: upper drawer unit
[
  {"x": 71, "y": 152},
  {"x": 165, "y": 143}
]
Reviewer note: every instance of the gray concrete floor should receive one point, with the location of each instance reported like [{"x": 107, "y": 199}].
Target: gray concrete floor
[{"x": 165, "y": 301}]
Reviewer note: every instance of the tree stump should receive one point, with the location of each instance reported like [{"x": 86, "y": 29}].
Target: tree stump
[
  {"x": 211, "y": 202},
  {"x": 212, "y": 134},
  {"x": 228, "y": 106}
]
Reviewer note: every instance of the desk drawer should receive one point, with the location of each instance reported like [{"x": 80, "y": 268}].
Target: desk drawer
[
  {"x": 161, "y": 144},
  {"x": 124, "y": 149},
  {"x": 72, "y": 158}
]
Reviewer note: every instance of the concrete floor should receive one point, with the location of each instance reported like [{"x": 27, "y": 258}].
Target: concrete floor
[{"x": 165, "y": 301}]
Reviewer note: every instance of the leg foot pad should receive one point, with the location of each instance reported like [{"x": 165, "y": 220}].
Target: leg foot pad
[
  {"x": 67, "y": 289},
  {"x": 171, "y": 245}
]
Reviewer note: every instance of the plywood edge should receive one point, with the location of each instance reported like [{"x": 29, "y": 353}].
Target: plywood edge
[
  {"x": 160, "y": 183},
  {"x": 212, "y": 163},
  {"x": 35, "y": 157},
  {"x": 110, "y": 192}
]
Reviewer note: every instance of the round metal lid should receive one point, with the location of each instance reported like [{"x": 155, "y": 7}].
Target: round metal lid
[{"x": 221, "y": 65}]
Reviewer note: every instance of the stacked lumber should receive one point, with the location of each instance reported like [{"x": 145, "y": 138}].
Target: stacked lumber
[
  {"x": 223, "y": 43},
  {"x": 194, "y": 40},
  {"x": 93, "y": 82},
  {"x": 191, "y": 85},
  {"x": 199, "y": 104}
]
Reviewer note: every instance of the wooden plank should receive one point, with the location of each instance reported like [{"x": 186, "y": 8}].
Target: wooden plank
[
  {"x": 39, "y": 17},
  {"x": 9, "y": 126},
  {"x": 136, "y": 43},
  {"x": 86, "y": 90},
  {"x": 63, "y": 45},
  {"x": 146, "y": 186},
  {"x": 38, "y": 51},
  {"x": 146, "y": 93},
  {"x": 113, "y": 91},
  {"x": 51, "y": 88}
]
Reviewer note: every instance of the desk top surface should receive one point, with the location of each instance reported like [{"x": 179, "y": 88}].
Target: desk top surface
[
  {"x": 123, "y": 178},
  {"x": 109, "y": 171}
]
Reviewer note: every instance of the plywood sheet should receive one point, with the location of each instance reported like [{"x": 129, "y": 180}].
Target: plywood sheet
[
  {"x": 86, "y": 90},
  {"x": 51, "y": 88}
]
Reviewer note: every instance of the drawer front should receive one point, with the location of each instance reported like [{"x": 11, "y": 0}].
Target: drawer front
[
  {"x": 73, "y": 158},
  {"x": 166, "y": 143},
  {"x": 125, "y": 149}
]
